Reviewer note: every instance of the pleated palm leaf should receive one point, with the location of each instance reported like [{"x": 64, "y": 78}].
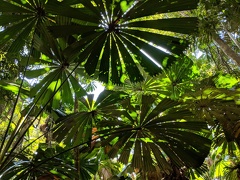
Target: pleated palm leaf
[
  {"x": 56, "y": 74},
  {"x": 89, "y": 165},
  {"x": 233, "y": 171},
  {"x": 217, "y": 106},
  {"x": 20, "y": 20},
  {"x": 37, "y": 167},
  {"x": 118, "y": 38},
  {"x": 222, "y": 142},
  {"x": 50, "y": 163},
  {"x": 76, "y": 128},
  {"x": 149, "y": 86},
  {"x": 156, "y": 134},
  {"x": 179, "y": 78},
  {"x": 172, "y": 83}
]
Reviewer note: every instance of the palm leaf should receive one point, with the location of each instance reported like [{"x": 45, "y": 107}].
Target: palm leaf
[
  {"x": 109, "y": 35},
  {"x": 20, "y": 20},
  {"x": 26, "y": 168},
  {"x": 79, "y": 125},
  {"x": 57, "y": 77},
  {"x": 160, "y": 129},
  {"x": 13, "y": 87}
]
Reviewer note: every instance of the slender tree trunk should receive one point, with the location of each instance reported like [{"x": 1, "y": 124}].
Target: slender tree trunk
[
  {"x": 76, "y": 161},
  {"x": 76, "y": 151},
  {"x": 238, "y": 173},
  {"x": 226, "y": 49}
]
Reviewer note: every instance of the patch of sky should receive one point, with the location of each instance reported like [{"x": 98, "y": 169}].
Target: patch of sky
[
  {"x": 99, "y": 88},
  {"x": 198, "y": 53},
  {"x": 104, "y": 22}
]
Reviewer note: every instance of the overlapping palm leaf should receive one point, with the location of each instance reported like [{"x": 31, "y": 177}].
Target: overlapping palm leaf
[
  {"x": 171, "y": 83},
  {"x": 55, "y": 72},
  {"x": 211, "y": 102},
  {"x": 20, "y": 20},
  {"x": 88, "y": 165},
  {"x": 37, "y": 166},
  {"x": 217, "y": 106},
  {"x": 115, "y": 39},
  {"x": 109, "y": 33},
  {"x": 225, "y": 144},
  {"x": 76, "y": 128},
  {"x": 50, "y": 163},
  {"x": 179, "y": 78},
  {"x": 149, "y": 86},
  {"x": 155, "y": 134}
]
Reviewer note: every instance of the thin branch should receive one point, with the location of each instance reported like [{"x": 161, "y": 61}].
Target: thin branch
[
  {"x": 86, "y": 142},
  {"x": 3, "y": 151},
  {"x": 44, "y": 106}
]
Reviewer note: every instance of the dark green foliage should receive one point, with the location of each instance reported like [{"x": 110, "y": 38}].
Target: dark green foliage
[
  {"x": 159, "y": 123},
  {"x": 156, "y": 134},
  {"x": 103, "y": 34}
]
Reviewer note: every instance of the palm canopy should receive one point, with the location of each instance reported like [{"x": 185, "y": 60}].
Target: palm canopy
[
  {"x": 147, "y": 134},
  {"x": 155, "y": 134},
  {"x": 172, "y": 83},
  {"x": 111, "y": 39}
]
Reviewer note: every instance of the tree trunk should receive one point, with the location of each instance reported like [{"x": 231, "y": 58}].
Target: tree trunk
[
  {"x": 76, "y": 151},
  {"x": 231, "y": 36},
  {"x": 233, "y": 39},
  {"x": 226, "y": 49}
]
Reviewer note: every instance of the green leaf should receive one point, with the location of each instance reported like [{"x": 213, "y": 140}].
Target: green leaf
[
  {"x": 64, "y": 30},
  {"x": 13, "y": 87},
  {"x": 129, "y": 64},
  {"x": 21, "y": 39},
  {"x": 184, "y": 25},
  {"x": 147, "y": 8},
  {"x": 63, "y": 10},
  {"x": 36, "y": 73},
  {"x": 11, "y": 32},
  {"x": 6, "y": 19},
  {"x": 93, "y": 59},
  {"x": 162, "y": 106},
  {"x": 147, "y": 102},
  {"x": 8, "y": 7},
  {"x": 78, "y": 89},
  {"x": 44, "y": 83},
  {"x": 66, "y": 93},
  {"x": 166, "y": 127}
]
